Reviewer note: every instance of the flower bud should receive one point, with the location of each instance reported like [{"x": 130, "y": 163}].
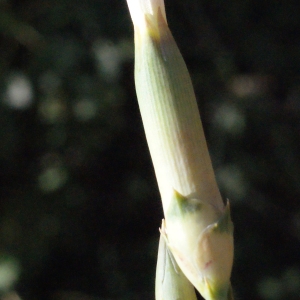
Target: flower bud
[{"x": 198, "y": 228}]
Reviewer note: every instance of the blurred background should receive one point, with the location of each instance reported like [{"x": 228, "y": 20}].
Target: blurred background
[{"x": 79, "y": 206}]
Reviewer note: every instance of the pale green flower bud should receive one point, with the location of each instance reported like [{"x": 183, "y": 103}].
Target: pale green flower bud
[{"x": 198, "y": 227}]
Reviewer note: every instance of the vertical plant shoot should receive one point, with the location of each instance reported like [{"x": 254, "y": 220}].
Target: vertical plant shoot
[{"x": 197, "y": 227}]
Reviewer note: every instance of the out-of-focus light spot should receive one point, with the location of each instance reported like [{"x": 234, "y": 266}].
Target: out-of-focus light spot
[
  {"x": 249, "y": 85},
  {"x": 230, "y": 119},
  {"x": 51, "y": 110},
  {"x": 232, "y": 180},
  {"x": 85, "y": 109},
  {"x": 52, "y": 178},
  {"x": 9, "y": 272},
  {"x": 270, "y": 288},
  {"x": 19, "y": 92},
  {"x": 109, "y": 58}
]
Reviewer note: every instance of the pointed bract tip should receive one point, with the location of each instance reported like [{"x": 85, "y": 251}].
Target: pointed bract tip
[{"x": 139, "y": 8}]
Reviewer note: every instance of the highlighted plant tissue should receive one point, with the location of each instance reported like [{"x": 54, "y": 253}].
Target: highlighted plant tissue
[{"x": 197, "y": 227}]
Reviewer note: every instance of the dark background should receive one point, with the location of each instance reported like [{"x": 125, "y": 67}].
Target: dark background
[{"x": 79, "y": 208}]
